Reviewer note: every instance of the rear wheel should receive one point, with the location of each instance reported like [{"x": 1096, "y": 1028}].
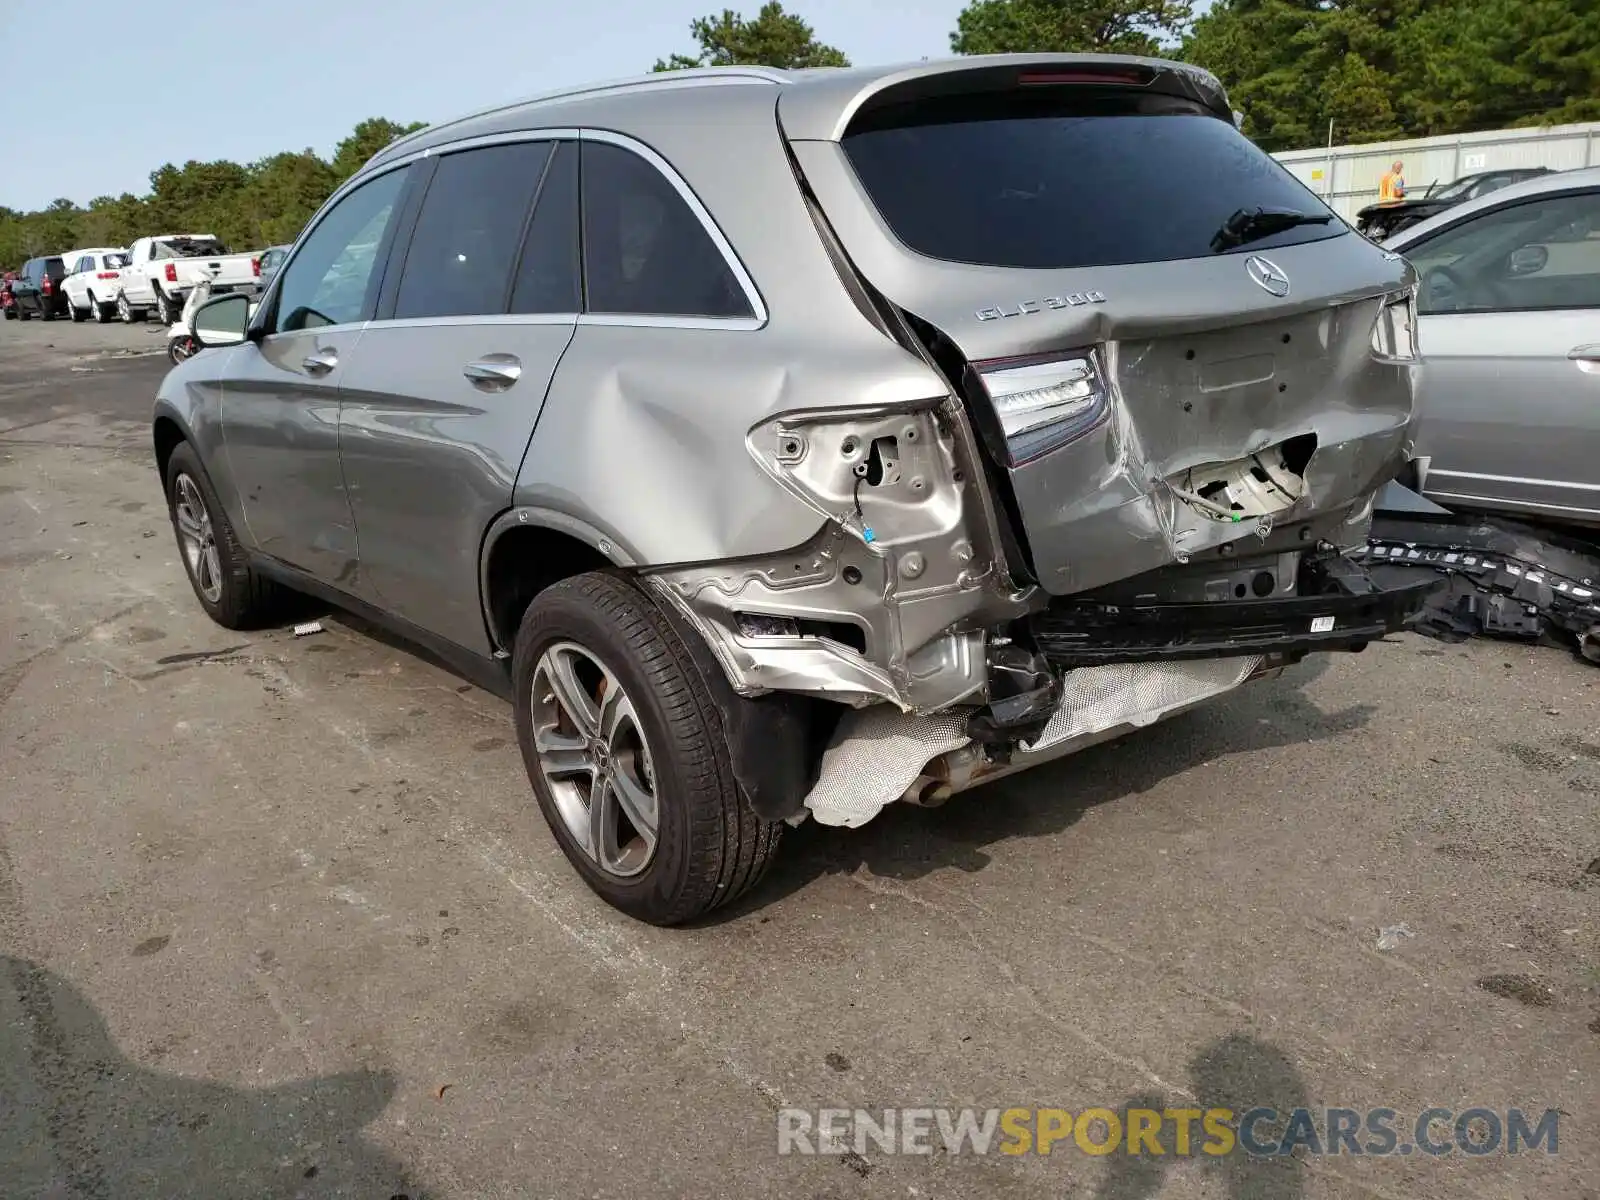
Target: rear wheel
[
  {"x": 166, "y": 310},
  {"x": 232, "y": 594},
  {"x": 101, "y": 310},
  {"x": 127, "y": 311},
  {"x": 78, "y": 315},
  {"x": 627, "y": 755},
  {"x": 11, "y": 314}
]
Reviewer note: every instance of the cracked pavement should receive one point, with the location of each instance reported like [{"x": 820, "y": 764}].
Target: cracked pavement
[{"x": 279, "y": 917}]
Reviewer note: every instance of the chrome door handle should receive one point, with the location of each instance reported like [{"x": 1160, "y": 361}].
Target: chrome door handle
[
  {"x": 494, "y": 370},
  {"x": 321, "y": 362}
]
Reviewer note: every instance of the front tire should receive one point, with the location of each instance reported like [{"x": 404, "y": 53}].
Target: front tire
[
  {"x": 233, "y": 595},
  {"x": 627, "y": 755}
]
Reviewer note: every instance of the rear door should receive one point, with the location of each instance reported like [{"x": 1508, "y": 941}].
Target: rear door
[
  {"x": 1509, "y": 405},
  {"x": 280, "y": 401},
  {"x": 441, "y": 397}
]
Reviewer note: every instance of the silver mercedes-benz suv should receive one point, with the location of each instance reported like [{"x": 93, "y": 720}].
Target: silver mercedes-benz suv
[{"x": 792, "y": 443}]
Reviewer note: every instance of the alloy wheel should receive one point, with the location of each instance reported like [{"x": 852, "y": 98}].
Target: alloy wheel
[
  {"x": 198, "y": 539},
  {"x": 592, "y": 751}
]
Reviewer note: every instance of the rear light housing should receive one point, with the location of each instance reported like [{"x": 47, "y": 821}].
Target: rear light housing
[
  {"x": 172, "y": 272},
  {"x": 1045, "y": 401},
  {"x": 1394, "y": 333},
  {"x": 46, "y": 286},
  {"x": 109, "y": 275},
  {"x": 255, "y": 266}
]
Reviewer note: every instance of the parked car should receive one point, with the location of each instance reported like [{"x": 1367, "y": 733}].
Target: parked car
[
  {"x": 268, "y": 261},
  {"x": 8, "y": 302},
  {"x": 36, "y": 291},
  {"x": 858, "y": 454},
  {"x": 1508, "y": 407},
  {"x": 93, "y": 277},
  {"x": 1379, "y": 221},
  {"x": 161, "y": 270}
]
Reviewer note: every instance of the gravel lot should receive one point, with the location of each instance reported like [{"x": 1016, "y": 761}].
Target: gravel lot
[{"x": 278, "y": 916}]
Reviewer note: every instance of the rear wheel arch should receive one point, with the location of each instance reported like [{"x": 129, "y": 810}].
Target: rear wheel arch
[{"x": 524, "y": 554}]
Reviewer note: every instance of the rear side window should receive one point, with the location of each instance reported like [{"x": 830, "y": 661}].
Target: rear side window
[
  {"x": 1068, "y": 177},
  {"x": 548, "y": 275},
  {"x": 465, "y": 242},
  {"x": 646, "y": 253}
]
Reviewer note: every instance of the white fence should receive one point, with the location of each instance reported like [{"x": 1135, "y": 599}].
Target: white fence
[{"x": 1347, "y": 176}]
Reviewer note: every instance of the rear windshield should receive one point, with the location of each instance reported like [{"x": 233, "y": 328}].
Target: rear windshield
[
  {"x": 1068, "y": 178},
  {"x": 113, "y": 261},
  {"x": 55, "y": 268}
]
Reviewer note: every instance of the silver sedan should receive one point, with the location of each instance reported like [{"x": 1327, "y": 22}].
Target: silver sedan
[{"x": 1508, "y": 408}]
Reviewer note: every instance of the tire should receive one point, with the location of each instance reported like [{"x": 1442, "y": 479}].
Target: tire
[
  {"x": 101, "y": 310},
  {"x": 166, "y": 313},
  {"x": 233, "y": 595},
  {"x": 11, "y": 314},
  {"x": 710, "y": 847},
  {"x": 78, "y": 315},
  {"x": 127, "y": 311}
]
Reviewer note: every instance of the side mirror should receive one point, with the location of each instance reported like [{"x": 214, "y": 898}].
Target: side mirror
[
  {"x": 1529, "y": 260},
  {"x": 222, "y": 321}
]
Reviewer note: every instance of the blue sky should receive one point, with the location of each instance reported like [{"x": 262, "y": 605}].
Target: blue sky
[{"x": 240, "y": 80}]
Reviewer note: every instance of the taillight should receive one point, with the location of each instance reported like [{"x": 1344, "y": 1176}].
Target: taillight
[
  {"x": 109, "y": 275},
  {"x": 1044, "y": 401},
  {"x": 255, "y": 266},
  {"x": 46, "y": 286},
  {"x": 172, "y": 272}
]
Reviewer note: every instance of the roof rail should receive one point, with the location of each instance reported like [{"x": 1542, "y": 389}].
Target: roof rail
[{"x": 686, "y": 77}]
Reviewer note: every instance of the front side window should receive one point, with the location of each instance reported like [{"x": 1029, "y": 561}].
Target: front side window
[
  {"x": 330, "y": 279},
  {"x": 1061, "y": 177},
  {"x": 1538, "y": 255},
  {"x": 646, "y": 253},
  {"x": 465, "y": 244}
]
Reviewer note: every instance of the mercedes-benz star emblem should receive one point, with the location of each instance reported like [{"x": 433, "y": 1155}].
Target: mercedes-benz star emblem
[{"x": 1267, "y": 274}]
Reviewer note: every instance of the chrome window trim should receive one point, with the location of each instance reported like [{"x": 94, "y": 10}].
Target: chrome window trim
[
  {"x": 471, "y": 319},
  {"x": 648, "y": 321}
]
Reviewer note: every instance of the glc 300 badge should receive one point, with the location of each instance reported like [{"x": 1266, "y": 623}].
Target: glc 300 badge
[{"x": 1024, "y": 307}]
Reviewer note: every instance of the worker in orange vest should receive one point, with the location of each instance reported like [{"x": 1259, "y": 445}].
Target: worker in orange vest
[{"x": 1392, "y": 187}]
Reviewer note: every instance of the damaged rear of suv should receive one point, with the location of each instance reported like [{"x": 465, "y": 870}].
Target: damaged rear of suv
[{"x": 932, "y": 424}]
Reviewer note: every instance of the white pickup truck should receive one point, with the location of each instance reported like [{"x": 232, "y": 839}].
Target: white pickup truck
[{"x": 161, "y": 271}]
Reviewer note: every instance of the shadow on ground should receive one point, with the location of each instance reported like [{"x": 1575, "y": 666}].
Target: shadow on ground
[
  {"x": 79, "y": 1120},
  {"x": 907, "y": 843},
  {"x": 1238, "y": 1073}
]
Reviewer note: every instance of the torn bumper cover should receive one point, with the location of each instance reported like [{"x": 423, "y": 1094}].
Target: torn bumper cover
[{"x": 1492, "y": 577}]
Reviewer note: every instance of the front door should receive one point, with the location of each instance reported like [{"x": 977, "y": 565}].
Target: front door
[
  {"x": 1509, "y": 404},
  {"x": 444, "y": 391},
  {"x": 280, "y": 406}
]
